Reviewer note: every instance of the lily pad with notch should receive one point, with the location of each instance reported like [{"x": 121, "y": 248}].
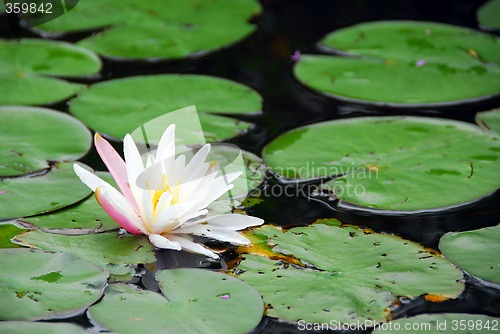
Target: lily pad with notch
[
  {"x": 84, "y": 217},
  {"x": 325, "y": 271},
  {"x": 36, "y": 285},
  {"x": 476, "y": 251},
  {"x": 405, "y": 63},
  {"x": 47, "y": 191},
  {"x": 159, "y": 28},
  {"x": 8, "y": 230},
  {"x": 28, "y": 68},
  {"x": 120, "y": 106},
  {"x": 392, "y": 163},
  {"x": 108, "y": 250},
  {"x": 31, "y": 137},
  {"x": 221, "y": 304}
]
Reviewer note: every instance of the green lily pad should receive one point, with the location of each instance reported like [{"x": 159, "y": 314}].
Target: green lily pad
[
  {"x": 476, "y": 252},
  {"x": 30, "y": 137},
  {"x": 345, "y": 274},
  {"x": 101, "y": 248},
  {"x": 38, "y": 285},
  {"x": 405, "y": 63},
  {"x": 28, "y": 64},
  {"x": 33, "y": 195},
  {"x": 7, "y": 231},
  {"x": 23, "y": 327},
  {"x": 193, "y": 301},
  {"x": 82, "y": 218},
  {"x": 442, "y": 323},
  {"x": 392, "y": 163},
  {"x": 159, "y": 28},
  {"x": 488, "y": 15},
  {"x": 136, "y": 100},
  {"x": 489, "y": 120}
]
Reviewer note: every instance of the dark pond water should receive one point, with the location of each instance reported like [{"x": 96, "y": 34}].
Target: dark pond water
[{"x": 262, "y": 61}]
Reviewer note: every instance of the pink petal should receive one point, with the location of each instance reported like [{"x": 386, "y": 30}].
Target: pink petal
[
  {"x": 114, "y": 209},
  {"x": 116, "y": 166}
]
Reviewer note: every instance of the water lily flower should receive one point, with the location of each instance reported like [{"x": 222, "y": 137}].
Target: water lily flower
[{"x": 165, "y": 198}]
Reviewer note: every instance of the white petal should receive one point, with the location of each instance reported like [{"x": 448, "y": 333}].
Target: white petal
[
  {"x": 162, "y": 242},
  {"x": 216, "y": 190},
  {"x": 151, "y": 178},
  {"x": 168, "y": 218},
  {"x": 234, "y": 221},
  {"x": 147, "y": 208},
  {"x": 190, "y": 246},
  {"x": 197, "y": 167},
  {"x": 133, "y": 159},
  {"x": 217, "y": 233},
  {"x": 166, "y": 146},
  {"x": 92, "y": 181}
]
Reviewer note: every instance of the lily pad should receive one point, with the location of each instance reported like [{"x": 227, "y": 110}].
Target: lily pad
[
  {"x": 7, "y": 231},
  {"x": 488, "y": 15},
  {"x": 30, "y": 137},
  {"x": 442, "y": 323},
  {"x": 392, "y": 163},
  {"x": 118, "y": 107},
  {"x": 477, "y": 252},
  {"x": 82, "y": 218},
  {"x": 489, "y": 120},
  {"x": 405, "y": 63},
  {"x": 100, "y": 248},
  {"x": 36, "y": 194},
  {"x": 23, "y": 327},
  {"x": 37, "y": 285},
  {"x": 28, "y": 64},
  {"x": 193, "y": 301},
  {"x": 342, "y": 273},
  {"x": 159, "y": 28}
]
